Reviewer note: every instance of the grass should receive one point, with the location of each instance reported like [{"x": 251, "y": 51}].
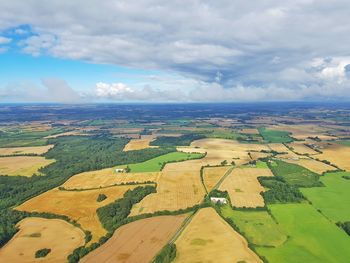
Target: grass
[
  {"x": 344, "y": 142},
  {"x": 257, "y": 226},
  {"x": 156, "y": 164},
  {"x": 259, "y": 164},
  {"x": 273, "y": 136},
  {"x": 224, "y": 134},
  {"x": 312, "y": 238},
  {"x": 333, "y": 199},
  {"x": 295, "y": 174}
]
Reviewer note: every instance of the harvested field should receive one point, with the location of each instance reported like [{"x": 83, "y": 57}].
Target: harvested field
[
  {"x": 22, "y": 165},
  {"x": 107, "y": 177},
  {"x": 69, "y": 133},
  {"x": 66, "y": 203},
  {"x": 244, "y": 188},
  {"x": 250, "y": 131},
  {"x": 208, "y": 238},
  {"x": 313, "y": 165},
  {"x": 212, "y": 175},
  {"x": 25, "y": 150},
  {"x": 257, "y": 155},
  {"x": 139, "y": 144},
  {"x": 137, "y": 242},
  {"x": 301, "y": 148},
  {"x": 37, "y": 233},
  {"x": 336, "y": 154}
]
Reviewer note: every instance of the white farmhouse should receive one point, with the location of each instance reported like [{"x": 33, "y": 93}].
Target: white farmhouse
[
  {"x": 220, "y": 200},
  {"x": 119, "y": 170}
]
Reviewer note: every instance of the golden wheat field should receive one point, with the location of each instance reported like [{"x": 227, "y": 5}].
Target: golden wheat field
[
  {"x": 22, "y": 165},
  {"x": 208, "y": 238},
  {"x": 212, "y": 175},
  {"x": 336, "y": 154},
  {"x": 313, "y": 165},
  {"x": 301, "y": 148},
  {"x": 139, "y": 144},
  {"x": 25, "y": 150},
  {"x": 37, "y": 233}
]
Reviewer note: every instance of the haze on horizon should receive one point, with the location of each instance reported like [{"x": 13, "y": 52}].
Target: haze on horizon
[{"x": 174, "y": 51}]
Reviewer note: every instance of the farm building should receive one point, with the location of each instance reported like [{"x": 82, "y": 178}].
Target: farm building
[
  {"x": 119, "y": 170},
  {"x": 220, "y": 200}
]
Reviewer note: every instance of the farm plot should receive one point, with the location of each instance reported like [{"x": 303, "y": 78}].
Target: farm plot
[
  {"x": 250, "y": 131},
  {"x": 301, "y": 148},
  {"x": 25, "y": 150},
  {"x": 212, "y": 175},
  {"x": 37, "y": 233},
  {"x": 258, "y": 226},
  {"x": 333, "y": 199},
  {"x": 107, "y": 177},
  {"x": 137, "y": 242},
  {"x": 139, "y": 144},
  {"x": 22, "y": 165},
  {"x": 78, "y": 205},
  {"x": 244, "y": 188},
  {"x": 312, "y": 165},
  {"x": 313, "y": 238},
  {"x": 275, "y": 136},
  {"x": 208, "y": 238},
  {"x": 336, "y": 154}
]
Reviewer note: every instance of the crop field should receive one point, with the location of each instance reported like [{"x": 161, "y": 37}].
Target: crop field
[
  {"x": 22, "y": 165},
  {"x": 25, "y": 150},
  {"x": 78, "y": 205},
  {"x": 208, "y": 238},
  {"x": 37, "y": 233},
  {"x": 312, "y": 237},
  {"x": 244, "y": 188},
  {"x": 333, "y": 199},
  {"x": 107, "y": 177},
  {"x": 275, "y": 136},
  {"x": 258, "y": 226},
  {"x": 137, "y": 242},
  {"x": 278, "y": 147},
  {"x": 303, "y": 132},
  {"x": 139, "y": 144},
  {"x": 312, "y": 165},
  {"x": 301, "y": 148},
  {"x": 212, "y": 175},
  {"x": 250, "y": 131},
  {"x": 337, "y": 154}
]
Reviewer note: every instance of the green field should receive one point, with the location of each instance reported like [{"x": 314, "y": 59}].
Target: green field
[
  {"x": 257, "y": 226},
  {"x": 312, "y": 238},
  {"x": 295, "y": 174},
  {"x": 156, "y": 164},
  {"x": 259, "y": 164},
  {"x": 333, "y": 199},
  {"x": 344, "y": 142},
  {"x": 273, "y": 136}
]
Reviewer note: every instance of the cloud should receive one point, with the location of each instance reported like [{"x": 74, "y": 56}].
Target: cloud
[
  {"x": 5, "y": 40},
  {"x": 260, "y": 50},
  {"x": 105, "y": 90}
]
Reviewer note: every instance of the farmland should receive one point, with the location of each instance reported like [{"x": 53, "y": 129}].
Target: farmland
[
  {"x": 212, "y": 175},
  {"x": 139, "y": 144},
  {"x": 23, "y": 165},
  {"x": 274, "y": 136},
  {"x": 208, "y": 238},
  {"x": 25, "y": 150}
]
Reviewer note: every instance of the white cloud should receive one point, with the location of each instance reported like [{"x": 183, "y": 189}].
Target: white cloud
[
  {"x": 105, "y": 90},
  {"x": 5, "y": 40}
]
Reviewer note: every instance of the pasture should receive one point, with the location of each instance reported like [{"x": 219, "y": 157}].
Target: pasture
[
  {"x": 312, "y": 238},
  {"x": 257, "y": 226},
  {"x": 333, "y": 199},
  {"x": 78, "y": 205},
  {"x": 208, "y": 238},
  {"x": 275, "y": 136},
  {"x": 37, "y": 233},
  {"x": 137, "y": 242},
  {"x": 23, "y": 165},
  {"x": 25, "y": 150}
]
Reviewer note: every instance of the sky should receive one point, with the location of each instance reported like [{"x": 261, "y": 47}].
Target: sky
[{"x": 86, "y": 51}]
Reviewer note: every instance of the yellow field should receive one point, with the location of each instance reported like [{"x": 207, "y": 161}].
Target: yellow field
[
  {"x": 313, "y": 165},
  {"x": 301, "y": 148},
  {"x": 69, "y": 133},
  {"x": 139, "y": 144},
  {"x": 244, "y": 188},
  {"x": 302, "y": 131},
  {"x": 137, "y": 242},
  {"x": 37, "y": 233},
  {"x": 208, "y": 238},
  {"x": 212, "y": 175},
  {"x": 22, "y": 165},
  {"x": 250, "y": 131},
  {"x": 25, "y": 150},
  {"x": 107, "y": 177},
  {"x": 78, "y": 205},
  {"x": 257, "y": 155},
  {"x": 336, "y": 154}
]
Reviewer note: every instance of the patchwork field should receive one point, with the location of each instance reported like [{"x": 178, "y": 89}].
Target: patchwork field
[
  {"x": 313, "y": 238},
  {"x": 208, "y": 238},
  {"x": 25, "y": 150},
  {"x": 38, "y": 233},
  {"x": 336, "y": 154},
  {"x": 107, "y": 177},
  {"x": 78, "y": 205},
  {"x": 258, "y": 226},
  {"x": 212, "y": 175},
  {"x": 312, "y": 165},
  {"x": 301, "y": 148},
  {"x": 139, "y": 144},
  {"x": 333, "y": 199},
  {"x": 22, "y": 165},
  {"x": 244, "y": 188},
  {"x": 137, "y": 242}
]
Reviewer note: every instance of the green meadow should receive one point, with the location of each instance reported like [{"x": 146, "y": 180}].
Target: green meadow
[
  {"x": 156, "y": 164},
  {"x": 312, "y": 238},
  {"x": 273, "y": 136},
  {"x": 333, "y": 199}
]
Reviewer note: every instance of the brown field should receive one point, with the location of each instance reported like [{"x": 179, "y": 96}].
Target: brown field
[
  {"x": 212, "y": 175},
  {"x": 244, "y": 188},
  {"x": 36, "y": 233},
  {"x": 78, "y": 205},
  {"x": 25, "y": 150},
  {"x": 208, "y": 238},
  {"x": 139, "y": 144},
  {"x": 301, "y": 148},
  {"x": 303, "y": 131},
  {"x": 107, "y": 177},
  {"x": 336, "y": 154},
  {"x": 137, "y": 242},
  {"x": 312, "y": 165},
  {"x": 285, "y": 153},
  {"x": 257, "y": 155},
  {"x": 22, "y": 165},
  {"x": 250, "y": 131}
]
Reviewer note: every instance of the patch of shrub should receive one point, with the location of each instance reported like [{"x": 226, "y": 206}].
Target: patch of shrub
[
  {"x": 166, "y": 255},
  {"x": 41, "y": 253},
  {"x": 101, "y": 197}
]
